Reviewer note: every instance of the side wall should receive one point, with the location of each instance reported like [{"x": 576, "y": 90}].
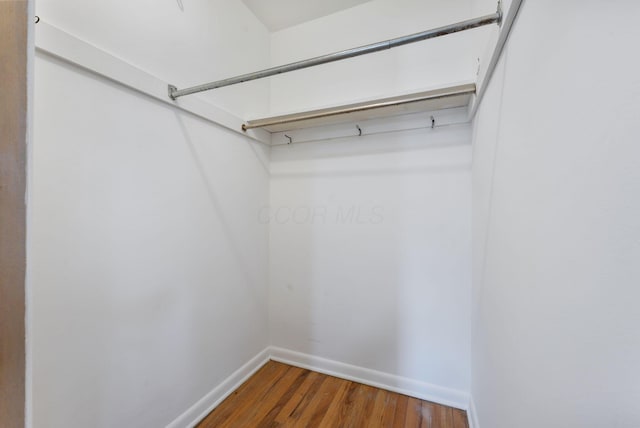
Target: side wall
[
  {"x": 370, "y": 255},
  {"x": 556, "y": 175},
  {"x": 148, "y": 267}
]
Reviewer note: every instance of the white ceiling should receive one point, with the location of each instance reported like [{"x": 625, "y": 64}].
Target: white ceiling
[{"x": 279, "y": 14}]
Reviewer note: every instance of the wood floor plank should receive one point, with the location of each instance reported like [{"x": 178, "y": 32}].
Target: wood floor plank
[
  {"x": 414, "y": 412},
  {"x": 371, "y": 400},
  {"x": 444, "y": 417},
  {"x": 319, "y": 405},
  {"x": 333, "y": 412},
  {"x": 344, "y": 412},
  {"x": 426, "y": 415},
  {"x": 401, "y": 412},
  {"x": 296, "y": 398},
  {"x": 297, "y": 412},
  {"x": 251, "y": 415},
  {"x": 268, "y": 420},
  {"x": 436, "y": 416},
  {"x": 279, "y": 395},
  {"x": 389, "y": 412},
  {"x": 460, "y": 419},
  {"x": 361, "y": 405},
  {"x": 378, "y": 408},
  {"x": 242, "y": 397}
]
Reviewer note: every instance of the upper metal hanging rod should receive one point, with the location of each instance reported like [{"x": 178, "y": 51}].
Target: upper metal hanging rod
[{"x": 494, "y": 18}]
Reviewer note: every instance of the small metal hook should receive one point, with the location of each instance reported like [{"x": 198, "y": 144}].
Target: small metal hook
[
  {"x": 37, "y": 19},
  {"x": 290, "y": 139},
  {"x": 359, "y": 131},
  {"x": 433, "y": 122}
]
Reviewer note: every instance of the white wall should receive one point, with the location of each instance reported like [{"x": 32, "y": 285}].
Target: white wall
[
  {"x": 183, "y": 42},
  {"x": 147, "y": 266},
  {"x": 370, "y": 252},
  {"x": 387, "y": 288},
  {"x": 409, "y": 68},
  {"x": 556, "y": 232}
]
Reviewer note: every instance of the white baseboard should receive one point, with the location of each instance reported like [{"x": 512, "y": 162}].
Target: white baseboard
[
  {"x": 424, "y": 391},
  {"x": 472, "y": 414},
  {"x": 206, "y": 404}
]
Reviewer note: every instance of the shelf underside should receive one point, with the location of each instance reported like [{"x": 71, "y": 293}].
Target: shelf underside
[{"x": 437, "y": 99}]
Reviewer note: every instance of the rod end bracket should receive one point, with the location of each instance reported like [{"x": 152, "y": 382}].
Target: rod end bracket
[
  {"x": 171, "y": 91},
  {"x": 500, "y": 13}
]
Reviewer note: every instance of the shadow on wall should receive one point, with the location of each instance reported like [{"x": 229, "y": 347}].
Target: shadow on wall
[
  {"x": 145, "y": 250},
  {"x": 370, "y": 252},
  {"x": 223, "y": 211}
]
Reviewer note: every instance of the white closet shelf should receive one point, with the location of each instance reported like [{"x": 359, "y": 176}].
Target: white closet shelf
[{"x": 436, "y": 99}]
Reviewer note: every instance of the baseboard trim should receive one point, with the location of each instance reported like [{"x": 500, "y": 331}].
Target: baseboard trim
[
  {"x": 425, "y": 391},
  {"x": 472, "y": 414},
  {"x": 211, "y": 400},
  {"x": 422, "y": 390}
]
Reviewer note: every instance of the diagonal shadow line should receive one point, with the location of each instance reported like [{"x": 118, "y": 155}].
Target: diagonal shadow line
[{"x": 250, "y": 280}]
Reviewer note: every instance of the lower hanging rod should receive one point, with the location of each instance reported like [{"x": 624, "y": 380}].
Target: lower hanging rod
[{"x": 494, "y": 18}]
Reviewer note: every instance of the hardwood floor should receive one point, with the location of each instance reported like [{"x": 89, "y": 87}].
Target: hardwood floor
[{"x": 279, "y": 395}]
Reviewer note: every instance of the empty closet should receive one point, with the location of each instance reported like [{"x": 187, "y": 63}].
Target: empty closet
[{"x": 437, "y": 199}]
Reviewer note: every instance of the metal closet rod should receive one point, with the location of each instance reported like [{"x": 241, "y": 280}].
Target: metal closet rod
[{"x": 494, "y": 18}]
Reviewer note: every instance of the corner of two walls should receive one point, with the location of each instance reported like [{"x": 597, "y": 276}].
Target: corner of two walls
[
  {"x": 147, "y": 268},
  {"x": 127, "y": 229}
]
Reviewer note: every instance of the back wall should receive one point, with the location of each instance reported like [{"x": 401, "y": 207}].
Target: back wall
[{"x": 370, "y": 252}]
